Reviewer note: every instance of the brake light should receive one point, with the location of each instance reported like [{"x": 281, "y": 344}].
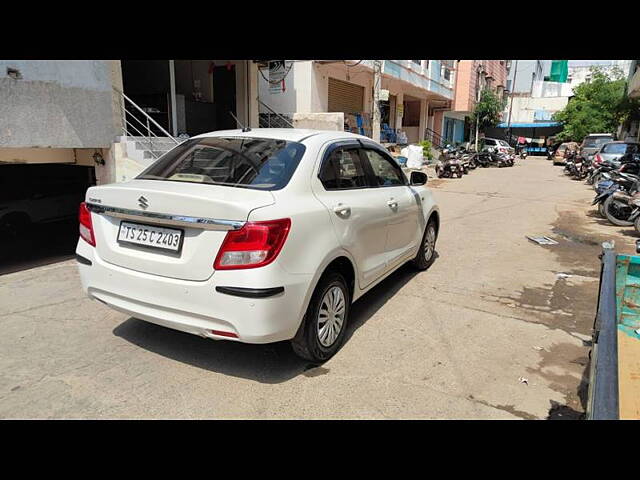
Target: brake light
[
  {"x": 256, "y": 244},
  {"x": 86, "y": 225}
]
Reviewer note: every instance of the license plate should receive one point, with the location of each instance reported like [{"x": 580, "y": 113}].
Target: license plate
[{"x": 150, "y": 236}]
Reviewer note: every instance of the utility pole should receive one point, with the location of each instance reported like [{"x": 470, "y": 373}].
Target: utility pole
[
  {"x": 477, "y": 124},
  {"x": 478, "y": 96},
  {"x": 377, "y": 80},
  {"x": 513, "y": 86}
]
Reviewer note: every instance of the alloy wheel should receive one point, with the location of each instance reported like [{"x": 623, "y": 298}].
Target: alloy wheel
[
  {"x": 429, "y": 242},
  {"x": 331, "y": 316}
]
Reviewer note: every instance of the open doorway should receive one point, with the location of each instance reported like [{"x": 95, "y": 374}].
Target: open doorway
[{"x": 205, "y": 93}]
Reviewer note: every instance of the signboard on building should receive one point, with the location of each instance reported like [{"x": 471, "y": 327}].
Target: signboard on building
[
  {"x": 277, "y": 72},
  {"x": 384, "y": 95}
]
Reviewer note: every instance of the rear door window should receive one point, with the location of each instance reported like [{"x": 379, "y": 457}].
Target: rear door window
[{"x": 343, "y": 169}]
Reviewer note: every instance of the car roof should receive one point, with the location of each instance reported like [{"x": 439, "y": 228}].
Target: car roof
[
  {"x": 289, "y": 134},
  {"x": 621, "y": 141},
  {"x": 600, "y": 135}
]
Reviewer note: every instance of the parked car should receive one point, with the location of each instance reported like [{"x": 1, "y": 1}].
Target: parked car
[
  {"x": 495, "y": 145},
  {"x": 614, "y": 151},
  {"x": 559, "y": 156},
  {"x": 592, "y": 143},
  {"x": 257, "y": 236}
]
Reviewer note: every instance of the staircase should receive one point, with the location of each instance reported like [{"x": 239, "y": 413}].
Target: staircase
[
  {"x": 437, "y": 140},
  {"x": 273, "y": 119},
  {"x": 144, "y": 149},
  {"x": 144, "y": 139}
]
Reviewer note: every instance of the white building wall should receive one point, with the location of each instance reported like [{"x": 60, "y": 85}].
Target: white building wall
[{"x": 524, "y": 108}]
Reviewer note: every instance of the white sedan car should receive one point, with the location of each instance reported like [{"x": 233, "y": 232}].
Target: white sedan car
[{"x": 256, "y": 236}]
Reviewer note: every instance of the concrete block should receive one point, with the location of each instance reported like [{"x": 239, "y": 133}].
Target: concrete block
[{"x": 319, "y": 121}]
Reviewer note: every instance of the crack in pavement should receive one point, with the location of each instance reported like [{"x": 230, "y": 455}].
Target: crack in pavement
[{"x": 37, "y": 307}]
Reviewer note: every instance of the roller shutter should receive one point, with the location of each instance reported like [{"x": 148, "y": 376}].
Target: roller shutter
[{"x": 345, "y": 97}]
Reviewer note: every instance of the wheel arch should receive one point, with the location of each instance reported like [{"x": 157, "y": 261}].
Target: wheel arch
[{"x": 341, "y": 261}]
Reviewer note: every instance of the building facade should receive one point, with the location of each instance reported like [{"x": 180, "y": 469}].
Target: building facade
[
  {"x": 523, "y": 73},
  {"x": 472, "y": 76},
  {"x": 330, "y": 93},
  {"x": 630, "y": 131},
  {"x": 114, "y": 116}
]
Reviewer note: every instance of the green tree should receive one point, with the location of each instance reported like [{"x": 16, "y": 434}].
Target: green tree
[
  {"x": 598, "y": 106},
  {"x": 488, "y": 110}
]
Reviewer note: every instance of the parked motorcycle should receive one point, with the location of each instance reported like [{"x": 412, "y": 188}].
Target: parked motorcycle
[
  {"x": 622, "y": 208},
  {"x": 581, "y": 168},
  {"x": 604, "y": 170},
  {"x": 448, "y": 165},
  {"x": 570, "y": 162},
  {"x": 617, "y": 182}
]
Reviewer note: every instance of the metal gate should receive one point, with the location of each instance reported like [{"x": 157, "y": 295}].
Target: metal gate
[{"x": 345, "y": 97}]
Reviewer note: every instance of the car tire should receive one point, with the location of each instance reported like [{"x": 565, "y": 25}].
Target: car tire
[
  {"x": 315, "y": 340},
  {"x": 427, "y": 253}
]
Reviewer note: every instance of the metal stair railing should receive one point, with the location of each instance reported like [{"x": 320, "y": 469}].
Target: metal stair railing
[
  {"x": 279, "y": 121},
  {"x": 143, "y": 127},
  {"x": 437, "y": 140}
]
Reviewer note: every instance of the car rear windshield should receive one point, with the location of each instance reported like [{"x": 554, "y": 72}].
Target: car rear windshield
[
  {"x": 259, "y": 163},
  {"x": 619, "y": 148},
  {"x": 591, "y": 142}
]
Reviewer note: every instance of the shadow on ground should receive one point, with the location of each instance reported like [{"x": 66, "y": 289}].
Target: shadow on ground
[{"x": 270, "y": 363}]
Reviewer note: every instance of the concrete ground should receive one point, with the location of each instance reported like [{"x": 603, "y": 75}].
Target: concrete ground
[{"x": 490, "y": 331}]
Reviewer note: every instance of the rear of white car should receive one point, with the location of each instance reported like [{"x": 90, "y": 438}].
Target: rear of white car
[
  {"x": 229, "y": 236},
  {"x": 185, "y": 254}
]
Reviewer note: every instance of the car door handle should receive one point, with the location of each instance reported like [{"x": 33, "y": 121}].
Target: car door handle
[
  {"x": 392, "y": 204},
  {"x": 342, "y": 210}
]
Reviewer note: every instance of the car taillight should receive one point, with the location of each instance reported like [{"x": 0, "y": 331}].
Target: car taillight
[
  {"x": 86, "y": 225},
  {"x": 256, "y": 244},
  {"x": 597, "y": 159}
]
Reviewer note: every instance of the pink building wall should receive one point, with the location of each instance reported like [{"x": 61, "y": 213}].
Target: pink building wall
[{"x": 465, "y": 91}]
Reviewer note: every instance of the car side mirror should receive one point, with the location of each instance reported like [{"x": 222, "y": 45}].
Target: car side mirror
[{"x": 418, "y": 178}]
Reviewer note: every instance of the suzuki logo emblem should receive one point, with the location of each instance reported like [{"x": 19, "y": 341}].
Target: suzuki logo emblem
[{"x": 143, "y": 202}]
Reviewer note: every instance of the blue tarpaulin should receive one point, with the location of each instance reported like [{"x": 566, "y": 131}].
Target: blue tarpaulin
[{"x": 529, "y": 125}]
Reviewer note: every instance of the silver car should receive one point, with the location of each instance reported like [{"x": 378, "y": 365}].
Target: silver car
[
  {"x": 613, "y": 151},
  {"x": 592, "y": 143}
]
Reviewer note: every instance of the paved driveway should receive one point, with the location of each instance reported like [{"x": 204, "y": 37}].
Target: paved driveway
[{"x": 456, "y": 341}]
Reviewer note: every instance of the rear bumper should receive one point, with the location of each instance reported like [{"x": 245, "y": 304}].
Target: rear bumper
[{"x": 268, "y": 305}]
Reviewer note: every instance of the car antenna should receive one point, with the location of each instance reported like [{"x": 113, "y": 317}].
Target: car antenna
[{"x": 244, "y": 129}]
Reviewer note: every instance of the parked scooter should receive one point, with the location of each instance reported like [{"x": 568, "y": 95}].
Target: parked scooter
[
  {"x": 622, "y": 208},
  {"x": 570, "y": 162},
  {"x": 523, "y": 153},
  {"x": 448, "y": 165},
  {"x": 618, "y": 182},
  {"x": 580, "y": 168}
]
